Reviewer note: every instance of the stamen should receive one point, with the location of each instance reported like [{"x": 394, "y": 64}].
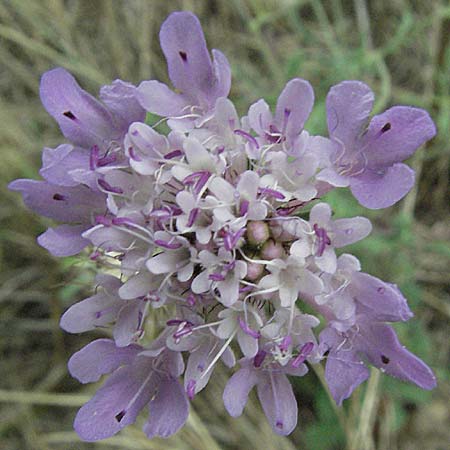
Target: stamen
[
  {"x": 107, "y": 159},
  {"x": 247, "y": 330},
  {"x": 107, "y": 187},
  {"x": 122, "y": 221},
  {"x": 133, "y": 154},
  {"x": 167, "y": 244},
  {"x": 248, "y": 137},
  {"x": 190, "y": 389},
  {"x": 243, "y": 207},
  {"x": 285, "y": 343},
  {"x": 259, "y": 358},
  {"x": 93, "y": 157},
  {"x": 216, "y": 277},
  {"x": 322, "y": 239},
  {"x": 192, "y": 217},
  {"x": 271, "y": 193},
  {"x": 303, "y": 354},
  {"x": 103, "y": 220},
  {"x": 173, "y": 154}
]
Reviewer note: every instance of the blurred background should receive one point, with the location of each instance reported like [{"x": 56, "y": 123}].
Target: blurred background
[{"x": 399, "y": 47}]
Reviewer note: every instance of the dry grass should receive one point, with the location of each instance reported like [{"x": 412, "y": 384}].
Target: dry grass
[{"x": 399, "y": 47}]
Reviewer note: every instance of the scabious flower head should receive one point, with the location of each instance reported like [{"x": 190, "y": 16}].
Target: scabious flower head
[{"x": 209, "y": 224}]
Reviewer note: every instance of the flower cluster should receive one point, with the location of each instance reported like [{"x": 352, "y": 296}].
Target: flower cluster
[{"x": 219, "y": 225}]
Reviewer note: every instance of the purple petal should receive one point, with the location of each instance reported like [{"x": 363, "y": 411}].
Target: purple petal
[
  {"x": 59, "y": 162},
  {"x": 82, "y": 119},
  {"x": 157, "y": 98},
  {"x": 348, "y": 231},
  {"x": 294, "y": 106},
  {"x": 235, "y": 395},
  {"x": 129, "y": 323},
  {"x": 99, "y": 358},
  {"x": 67, "y": 204},
  {"x": 384, "y": 300},
  {"x": 118, "y": 402},
  {"x": 188, "y": 60},
  {"x": 376, "y": 191},
  {"x": 96, "y": 311},
  {"x": 344, "y": 370},
  {"x": 64, "y": 240},
  {"x": 198, "y": 362},
  {"x": 120, "y": 98},
  {"x": 222, "y": 72},
  {"x": 348, "y": 107},
  {"x": 278, "y": 402},
  {"x": 169, "y": 410},
  {"x": 380, "y": 343},
  {"x": 396, "y": 134}
]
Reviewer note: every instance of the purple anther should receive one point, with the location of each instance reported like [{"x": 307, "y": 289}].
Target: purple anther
[
  {"x": 173, "y": 322},
  {"x": 243, "y": 207},
  {"x": 236, "y": 236},
  {"x": 192, "y": 217},
  {"x": 322, "y": 239},
  {"x": 271, "y": 193},
  {"x": 191, "y": 179},
  {"x": 304, "y": 352},
  {"x": 227, "y": 242},
  {"x": 103, "y": 220},
  {"x": 190, "y": 300},
  {"x": 167, "y": 244},
  {"x": 93, "y": 157},
  {"x": 107, "y": 159},
  {"x": 247, "y": 330},
  {"x": 122, "y": 221},
  {"x": 163, "y": 213},
  {"x": 279, "y": 424},
  {"x": 274, "y": 136},
  {"x": 107, "y": 187},
  {"x": 245, "y": 289},
  {"x": 285, "y": 343},
  {"x": 190, "y": 389},
  {"x": 229, "y": 266},
  {"x": 173, "y": 154},
  {"x": 220, "y": 149},
  {"x": 247, "y": 136},
  {"x": 135, "y": 133},
  {"x": 133, "y": 155},
  {"x": 290, "y": 208},
  {"x": 94, "y": 255},
  {"x": 203, "y": 179},
  {"x": 175, "y": 210},
  {"x": 259, "y": 358},
  {"x": 216, "y": 277}
]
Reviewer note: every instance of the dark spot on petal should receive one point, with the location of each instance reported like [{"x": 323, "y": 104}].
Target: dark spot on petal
[
  {"x": 386, "y": 127},
  {"x": 120, "y": 416},
  {"x": 69, "y": 115},
  {"x": 385, "y": 359},
  {"x": 59, "y": 197},
  {"x": 279, "y": 424},
  {"x": 183, "y": 55}
]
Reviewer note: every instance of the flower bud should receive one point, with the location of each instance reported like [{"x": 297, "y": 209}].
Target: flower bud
[
  {"x": 257, "y": 233},
  {"x": 272, "y": 250}
]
